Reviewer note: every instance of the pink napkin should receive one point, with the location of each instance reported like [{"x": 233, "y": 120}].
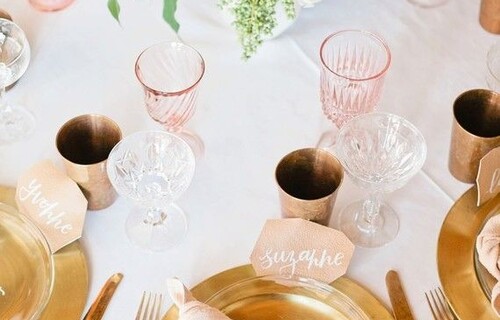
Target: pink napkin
[
  {"x": 189, "y": 307},
  {"x": 488, "y": 249}
]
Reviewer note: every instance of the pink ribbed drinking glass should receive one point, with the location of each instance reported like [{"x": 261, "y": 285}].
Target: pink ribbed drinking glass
[
  {"x": 50, "y": 5},
  {"x": 170, "y": 73},
  {"x": 353, "y": 67}
]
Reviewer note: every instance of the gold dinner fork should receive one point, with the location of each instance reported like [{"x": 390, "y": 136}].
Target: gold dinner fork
[
  {"x": 438, "y": 304},
  {"x": 150, "y": 307}
]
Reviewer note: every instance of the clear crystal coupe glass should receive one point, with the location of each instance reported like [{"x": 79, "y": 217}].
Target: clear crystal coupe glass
[
  {"x": 353, "y": 67},
  {"x": 170, "y": 73},
  {"x": 380, "y": 152},
  {"x": 15, "y": 121},
  {"x": 152, "y": 168}
]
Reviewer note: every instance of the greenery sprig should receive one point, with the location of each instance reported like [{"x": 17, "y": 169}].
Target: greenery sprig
[
  {"x": 254, "y": 20},
  {"x": 169, "y": 8}
]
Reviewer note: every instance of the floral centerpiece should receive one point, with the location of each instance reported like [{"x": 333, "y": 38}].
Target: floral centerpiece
[{"x": 254, "y": 20}]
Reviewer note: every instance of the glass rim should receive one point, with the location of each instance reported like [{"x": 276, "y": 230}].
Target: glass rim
[
  {"x": 374, "y": 36},
  {"x": 408, "y": 124},
  {"x": 25, "y": 44},
  {"x": 171, "y": 93},
  {"x": 489, "y": 60}
]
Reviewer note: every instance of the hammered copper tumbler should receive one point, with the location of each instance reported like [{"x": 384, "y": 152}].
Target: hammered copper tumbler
[
  {"x": 475, "y": 131},
  {"x": 489, "y": 15},
  {"x": 85, "y": 143},
  {"x": 309, "y": 180}
]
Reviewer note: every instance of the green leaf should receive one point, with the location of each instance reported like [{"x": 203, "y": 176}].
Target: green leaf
[
  {"x": 169, "y": 8},
  {"x": 114, "y": 9}
]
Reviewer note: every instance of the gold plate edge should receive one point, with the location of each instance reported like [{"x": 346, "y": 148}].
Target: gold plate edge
[
  {"x": 362, "y": 297},
  {"x": 455, "y": 257}
]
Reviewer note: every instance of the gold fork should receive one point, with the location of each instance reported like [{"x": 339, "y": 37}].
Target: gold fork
[
  {"x": 150, "y": 306},
  {"x": 439, "y": 305}
]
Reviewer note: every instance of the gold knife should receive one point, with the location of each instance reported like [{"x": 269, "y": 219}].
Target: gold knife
[
  {"x": 399, "y": 303},
  {"x": 100, "y": 304}
]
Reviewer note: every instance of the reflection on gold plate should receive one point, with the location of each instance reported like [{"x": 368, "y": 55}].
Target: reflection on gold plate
[
  {"x": 373, "y": 308},
  {"x": 69, "y": 293},
  {"x": 455, "y": 257}
]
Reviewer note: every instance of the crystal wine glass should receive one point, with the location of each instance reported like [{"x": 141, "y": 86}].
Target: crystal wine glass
[
  {"x": 15, "y": 121},
  {"x": 380, "y": 152},
  {"x": 353, "y": 67},
  {"x": 152, "y": 168},
  {"x": 170, "y": 73}
]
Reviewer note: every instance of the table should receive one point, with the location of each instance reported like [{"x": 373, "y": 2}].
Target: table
[{"x": 249, "y": 114}]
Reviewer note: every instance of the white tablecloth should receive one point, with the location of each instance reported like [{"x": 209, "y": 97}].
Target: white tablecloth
[{"x": 249, "y": 114}]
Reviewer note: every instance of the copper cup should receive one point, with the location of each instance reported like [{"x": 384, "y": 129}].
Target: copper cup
[
  {"x": 475, "y": 131},
  {"x": 309, "y": 180},
  {"x": 489, "y": 15},
  {"x": 85, "y": 143}
]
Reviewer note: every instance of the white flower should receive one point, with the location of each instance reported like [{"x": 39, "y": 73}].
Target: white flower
[{"x": 307, "y": 3}]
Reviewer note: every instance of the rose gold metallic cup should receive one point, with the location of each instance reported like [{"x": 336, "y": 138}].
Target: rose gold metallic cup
[
  {"x": 84, "y": 143},
  {"x": 475, "y": 131},
  {"x": 308, "y": 181},
  {"x": 489, "y": 15}
]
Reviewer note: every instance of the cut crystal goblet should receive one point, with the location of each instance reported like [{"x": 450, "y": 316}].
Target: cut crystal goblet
[
  {"x": 380, "y": 152},
  {"x": 16, "y": 122},
  {"x": 152, "y": 168},
  {"x": 353, "y": 68}
]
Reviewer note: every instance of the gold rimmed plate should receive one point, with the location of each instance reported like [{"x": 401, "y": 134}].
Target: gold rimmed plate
[
  {"x": 360, "y": 297},
  {"x": 70, "y": 287},
  {"x": 456, "y": 257}
]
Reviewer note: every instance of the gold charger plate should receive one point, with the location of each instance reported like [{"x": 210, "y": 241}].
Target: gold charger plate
[
  {"x": 71, "y": 282},
  {"x": 455, "y": 257},
  {"x": 373, "y": 308}
]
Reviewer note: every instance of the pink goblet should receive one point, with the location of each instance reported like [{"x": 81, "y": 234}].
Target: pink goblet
[
  {"x": 170, "y": 73},
  {"x": 353, "y": 67},
  {"x": 50, "y": 5}
]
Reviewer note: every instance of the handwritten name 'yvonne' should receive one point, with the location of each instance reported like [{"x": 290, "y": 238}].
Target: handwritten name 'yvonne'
[
  {"x": 290, "y": 259},
  {"x": 33, "y": 194}
]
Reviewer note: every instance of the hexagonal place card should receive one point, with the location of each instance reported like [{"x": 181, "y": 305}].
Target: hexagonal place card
[
  {"x": 53, "y": 202},
  {"x": 297, "y": 247},
  {"x": 488, "y": 178}
]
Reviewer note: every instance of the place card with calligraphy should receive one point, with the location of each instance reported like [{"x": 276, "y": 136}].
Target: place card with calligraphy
[
  {"x": 53, "y": 202},
  {"x": 488, "y": 177},
  {"x": 297, "y": 247}
]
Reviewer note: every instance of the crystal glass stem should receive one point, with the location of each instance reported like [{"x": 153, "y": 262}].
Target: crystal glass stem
[
  {"x": 155, "y": 215},
  {"x": 370, "y": 220}
]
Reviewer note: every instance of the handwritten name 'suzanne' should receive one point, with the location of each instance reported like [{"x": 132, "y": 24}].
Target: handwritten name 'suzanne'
[
  {"x": 290, "y": 259},
  {"x": 33, "y": 194}
]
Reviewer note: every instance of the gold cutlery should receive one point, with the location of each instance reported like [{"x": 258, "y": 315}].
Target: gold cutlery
[
  {"x": 100, "y": 304},
  {"x": 439, "y": 306},
  {"x": 399, "y": 302},
  {"x": 150, "y": 307}
]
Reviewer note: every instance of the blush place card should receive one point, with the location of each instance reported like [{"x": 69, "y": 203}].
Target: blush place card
[
  {"x": 488, "y": 177},
  {"x": 297, "y": 247},
  {"x": 53, "y": 202}
]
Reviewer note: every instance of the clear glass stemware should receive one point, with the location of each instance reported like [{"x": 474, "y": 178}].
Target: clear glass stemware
[
  {"x": 353, "y": 68},
  {"x": 380, "y": 152},
  {"x": 16, "y": 122},
  {"x": 153, "y": 168},
  {"x": 170, "y": 73}
]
